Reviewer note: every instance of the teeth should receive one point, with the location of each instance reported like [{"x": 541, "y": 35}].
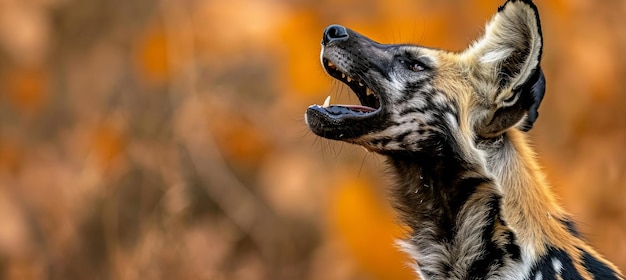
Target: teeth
[
  {"x": 369, "y": 92},
  {"x": 330, "y": 64},
  {"x": 361, "y": 84},
  {"x": 349, "y": 79},
  {"x": 343, "y": 76},
  {"x": 326, "y": 102}
]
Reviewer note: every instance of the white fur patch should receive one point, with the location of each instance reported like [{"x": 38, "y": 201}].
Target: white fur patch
[
  {"x": 495, "y": 56},
  {"x": 557, "y": 265}
]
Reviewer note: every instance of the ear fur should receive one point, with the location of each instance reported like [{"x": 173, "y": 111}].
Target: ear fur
[{"x": 506, "y": 64}]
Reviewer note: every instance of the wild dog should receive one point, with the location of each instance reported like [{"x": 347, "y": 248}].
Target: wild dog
[{"x": 452, "y": 128}]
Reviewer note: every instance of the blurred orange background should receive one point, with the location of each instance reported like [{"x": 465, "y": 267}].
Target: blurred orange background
[{"x": 165, "y": 139}]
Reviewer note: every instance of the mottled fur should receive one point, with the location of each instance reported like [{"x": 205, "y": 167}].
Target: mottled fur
[{"x": 452, "y": 128}]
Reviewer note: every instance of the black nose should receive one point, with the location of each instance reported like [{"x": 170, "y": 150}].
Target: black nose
[{"x": 334, "y": 33}]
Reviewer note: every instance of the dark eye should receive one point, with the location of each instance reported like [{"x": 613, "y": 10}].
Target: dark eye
[{"x": 413, "y": 65}]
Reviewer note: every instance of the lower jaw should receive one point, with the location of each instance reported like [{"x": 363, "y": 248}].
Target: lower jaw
[{"x": 340, "y": 127}]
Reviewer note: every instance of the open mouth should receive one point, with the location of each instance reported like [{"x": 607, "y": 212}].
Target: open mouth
[
  {"x": 370, "y": 101},
  {"x": 344, "y": 122}
]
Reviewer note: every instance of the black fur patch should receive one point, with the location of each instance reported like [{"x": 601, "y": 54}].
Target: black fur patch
[
  {"x": 432, "y": 178},
  {"x": 571, "y": 227},
  {"x": 545, "y": 266},
  {"x": 511, "y": 246},
  {"x": 493, "y": 254},
  {"x": 598, "y": 269}
]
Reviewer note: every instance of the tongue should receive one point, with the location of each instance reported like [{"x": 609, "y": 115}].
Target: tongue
[
  {"x": 337, "y": 108},
  {"x": 340, "y": 110},
  {"x": 359, "y": 108}
]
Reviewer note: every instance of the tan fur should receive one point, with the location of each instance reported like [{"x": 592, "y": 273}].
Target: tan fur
[{"x": 531, "y": 208}]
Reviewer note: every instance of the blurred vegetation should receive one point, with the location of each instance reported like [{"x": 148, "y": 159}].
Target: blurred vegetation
[{"x": 164, "y": 139}]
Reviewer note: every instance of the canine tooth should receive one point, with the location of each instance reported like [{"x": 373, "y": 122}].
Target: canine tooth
[
  {"x": 330, "y": 64},
  {"x": 369, "y": 92},
  {"x": 349, "y": 79},
  {"x": 360, "y": 84},
  {"x": 326, "y": 102},
  {"x": 343, "y": 76}
]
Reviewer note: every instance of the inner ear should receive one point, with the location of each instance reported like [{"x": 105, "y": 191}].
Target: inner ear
[{"x": 522, "y": 114}]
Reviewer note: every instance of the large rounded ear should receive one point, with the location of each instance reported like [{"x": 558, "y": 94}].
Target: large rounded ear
[{"x": 505, "y": 66}]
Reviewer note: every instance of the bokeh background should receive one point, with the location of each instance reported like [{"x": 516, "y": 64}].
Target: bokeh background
[{"x": 165, "y": 140}]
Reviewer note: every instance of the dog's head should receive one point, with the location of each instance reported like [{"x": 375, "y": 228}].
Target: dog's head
[{"x": 415, "y": 98}]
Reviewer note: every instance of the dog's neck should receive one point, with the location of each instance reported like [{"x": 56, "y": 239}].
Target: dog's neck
[{"x": 453, "y": 208}]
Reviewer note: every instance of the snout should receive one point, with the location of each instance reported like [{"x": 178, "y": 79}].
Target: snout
[{"x": 334, "y": 32}]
